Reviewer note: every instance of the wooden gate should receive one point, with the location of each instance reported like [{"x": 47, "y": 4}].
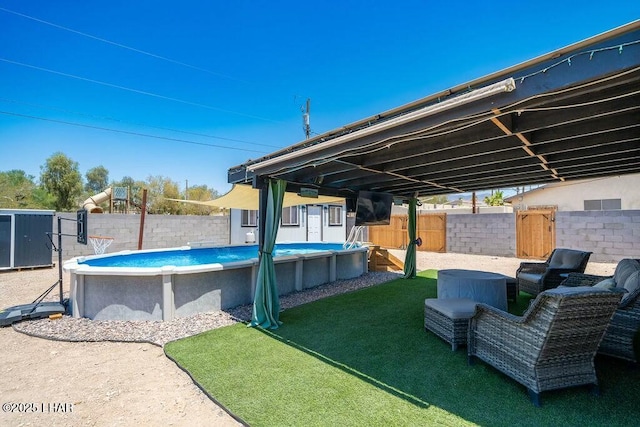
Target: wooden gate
[
  {"x": 535, "y": 233},
  {"x": 430, "y": 227},
  {"x": 392, "y": 236}
]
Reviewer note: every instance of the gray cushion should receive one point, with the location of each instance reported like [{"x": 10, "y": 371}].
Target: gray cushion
[
  {"x": 566, "y": 258},
  {"x": 571, "y": 290},
  {"x": 624, "y": 269},
  {"x": 631, "y": 285},
  {"x": 453, "y": 308},
  {"x": 607, "y": 283},
  {"x": 530, "y": 277}
]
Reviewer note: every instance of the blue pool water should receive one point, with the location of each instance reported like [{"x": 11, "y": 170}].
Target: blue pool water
[{"x": 198, "y": 256}]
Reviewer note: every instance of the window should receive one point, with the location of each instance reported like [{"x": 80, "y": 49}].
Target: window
[
  {"x": 335, "y": 215},
  {"x": 290, "y": 216},
  {"x": 249, "y": 218},
  {"x": 603, "y": 205}
]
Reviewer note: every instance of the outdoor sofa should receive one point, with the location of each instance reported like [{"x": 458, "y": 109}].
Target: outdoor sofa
[{"x": 625, "y": 324}]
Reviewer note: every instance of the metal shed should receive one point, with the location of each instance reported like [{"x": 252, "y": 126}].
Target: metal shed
[{"x": 23, "y": 238}]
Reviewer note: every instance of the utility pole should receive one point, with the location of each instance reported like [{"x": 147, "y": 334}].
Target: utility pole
[{"x": 305, "y": 120}]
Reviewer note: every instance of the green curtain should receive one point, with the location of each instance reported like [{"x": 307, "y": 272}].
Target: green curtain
[
  {"x": 410, "y": 257},
  {"x": 266, "y": 303}
]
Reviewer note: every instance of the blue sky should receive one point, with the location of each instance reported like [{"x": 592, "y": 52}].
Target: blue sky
[{"x": 219, "y": 82}]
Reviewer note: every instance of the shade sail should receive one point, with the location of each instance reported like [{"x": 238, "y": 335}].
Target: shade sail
[{"x": 246, "y": 197}]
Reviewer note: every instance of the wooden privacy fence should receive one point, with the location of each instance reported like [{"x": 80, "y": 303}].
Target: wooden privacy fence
[{"x": 431, "y": 228}]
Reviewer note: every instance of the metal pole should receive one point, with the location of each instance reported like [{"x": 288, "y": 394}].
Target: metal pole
[
  {"x": 144, "y": 210},
  {"x": 60, "y": 257}
]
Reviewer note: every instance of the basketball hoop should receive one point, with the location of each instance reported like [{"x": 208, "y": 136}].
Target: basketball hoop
[{"x": 100, "y": 243}]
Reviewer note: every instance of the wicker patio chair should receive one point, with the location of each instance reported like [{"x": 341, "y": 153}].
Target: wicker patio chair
[
  {"x": 625, "y": 323},
  {"x": 535, "y": 277},
  {"x": 552, "y": 345}
]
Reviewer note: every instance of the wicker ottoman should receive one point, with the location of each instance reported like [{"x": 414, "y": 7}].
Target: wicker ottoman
[{"x": 449, "y": 318}]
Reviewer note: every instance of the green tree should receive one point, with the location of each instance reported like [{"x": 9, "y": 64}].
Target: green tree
[
  {"x": 200, "y": 193},
  {"x": 496, "y": 199},
  {"x": 61, "y": 177},
  {"x": 159, "y": 189},
  {"x": 16, "y": 188},
  {"x": 97, "y": 180}
]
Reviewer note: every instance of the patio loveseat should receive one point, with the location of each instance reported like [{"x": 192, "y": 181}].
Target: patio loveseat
[
  {"x": 552, "y": 345},
  {"x": 625, "y": 324}
]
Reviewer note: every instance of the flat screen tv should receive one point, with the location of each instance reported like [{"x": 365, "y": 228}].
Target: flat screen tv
[{"x": 373, "y": 208}]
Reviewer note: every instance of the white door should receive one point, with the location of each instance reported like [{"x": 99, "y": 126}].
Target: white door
[{"x": 314, "y": 223}]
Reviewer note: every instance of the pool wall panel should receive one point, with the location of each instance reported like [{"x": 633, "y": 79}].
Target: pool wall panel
[
  {"x": 350, "y": 265},
  {"x": 285, "y": 277},
  {"x": 315, "y": 272},
  {"x": 201, "y": 292},
  {"x": 130, "y": 298}
]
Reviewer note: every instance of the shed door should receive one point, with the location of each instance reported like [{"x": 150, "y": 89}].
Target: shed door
[
  {"x": 5, "y": 241},
  {"x": 33, "y": 247},
  {"x": 314, "y": 223}
]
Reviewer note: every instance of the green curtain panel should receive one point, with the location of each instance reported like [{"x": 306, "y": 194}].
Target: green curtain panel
[
  {"x": 410, "y": 257},
  {"x": 266, "y": 303}
]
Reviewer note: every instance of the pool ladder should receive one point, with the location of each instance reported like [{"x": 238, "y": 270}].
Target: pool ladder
[{"x": 355, "y": 233}]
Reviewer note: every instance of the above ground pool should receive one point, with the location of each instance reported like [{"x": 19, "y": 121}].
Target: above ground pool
[
  {"x": 180, "y": 282},
  {"x": 185, "y": 257}
]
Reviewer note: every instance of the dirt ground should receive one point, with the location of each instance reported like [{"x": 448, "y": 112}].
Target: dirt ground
[
  {"x": 121, "y": 384},
  {"x": 91, "y": 384}
]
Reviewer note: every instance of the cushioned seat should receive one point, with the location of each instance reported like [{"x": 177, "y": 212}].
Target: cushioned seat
[
  {"x": 449, "y": 318},
  {"x": 552, "y": 345},
  {"x": 618, "y": 339},
  {"x": 535, "y": 277}
]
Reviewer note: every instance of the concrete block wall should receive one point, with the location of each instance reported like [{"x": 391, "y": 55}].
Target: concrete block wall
[
  {"x": 610, "y": 235},
  {"x": 160, "y": 231},
  {"x": 486, "y": 234}
]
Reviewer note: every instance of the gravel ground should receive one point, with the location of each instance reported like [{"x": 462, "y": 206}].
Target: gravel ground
[
  {"x": 160, "y": 333},
  {"x": 115, "y": 372}
]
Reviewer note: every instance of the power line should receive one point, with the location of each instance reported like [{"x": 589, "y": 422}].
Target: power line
[
  {"x": 142, "y": 92},
  {"x": 134, "y": 123},
  {"x": 186, "y": 141},
  {"x": 123, "y": 46}
]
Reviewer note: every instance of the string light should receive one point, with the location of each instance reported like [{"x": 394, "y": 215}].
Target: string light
[
  {"x": 590, "y": 52},
  {"x": 423, "y": 133}
]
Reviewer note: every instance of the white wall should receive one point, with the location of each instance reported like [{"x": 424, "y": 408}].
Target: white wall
[
  {"x": 238, "y": 233},
  {"x": 297, "y": 233},
  {"x": 570, "y": 196}
]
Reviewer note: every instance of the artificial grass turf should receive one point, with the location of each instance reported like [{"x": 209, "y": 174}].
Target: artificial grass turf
[{"x": 364, "y": 358}]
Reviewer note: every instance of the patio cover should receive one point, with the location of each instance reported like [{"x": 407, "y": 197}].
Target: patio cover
[
  {"x": 571, "y": 114},
  {"x": 245, "y": 197}
]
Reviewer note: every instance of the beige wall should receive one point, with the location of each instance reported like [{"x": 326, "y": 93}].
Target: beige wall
[{"x": 570, "y": 196}]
